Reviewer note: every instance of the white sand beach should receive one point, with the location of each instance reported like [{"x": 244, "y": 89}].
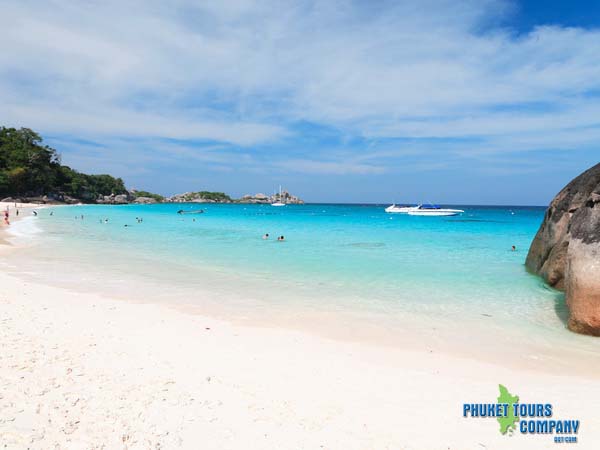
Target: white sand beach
[
  {"x": 16, "y": 211},
  {"x": 83, "y": 371}
]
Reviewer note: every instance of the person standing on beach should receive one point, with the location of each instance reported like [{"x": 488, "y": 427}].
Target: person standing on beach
[{"x": 6, "y": 214}]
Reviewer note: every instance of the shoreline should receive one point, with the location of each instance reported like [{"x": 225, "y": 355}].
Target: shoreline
[
  {"x": 484, "y": 339},
  {"x": 14, "y": 206},
  {"x": 132, "y": 374}
]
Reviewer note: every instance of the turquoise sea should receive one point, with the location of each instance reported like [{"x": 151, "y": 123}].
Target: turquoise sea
[{"x": 386, "y": 271}]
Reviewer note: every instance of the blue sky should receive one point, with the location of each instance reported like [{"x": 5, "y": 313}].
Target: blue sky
[{"x": 475, "y": 101}]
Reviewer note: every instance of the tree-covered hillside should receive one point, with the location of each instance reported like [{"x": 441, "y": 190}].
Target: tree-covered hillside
[
  {"x": 28, "y": 169},
  {"x": 157, "y": 197}
]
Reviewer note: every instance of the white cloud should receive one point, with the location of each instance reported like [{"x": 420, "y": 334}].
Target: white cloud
[
  {"x": 328, "y": 167},
  {"x": 242, "y": 72}
]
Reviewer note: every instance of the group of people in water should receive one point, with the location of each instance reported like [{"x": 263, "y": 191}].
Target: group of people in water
[
  {"x": 279, "y": 238},
  {"x": 6, "y": 214},
  {"x": 266, "y": 236},
  {"x": 137, "y": 219}
]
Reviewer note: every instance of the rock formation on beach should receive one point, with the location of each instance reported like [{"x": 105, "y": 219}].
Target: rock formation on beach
[{"x": 566, "y": 250}]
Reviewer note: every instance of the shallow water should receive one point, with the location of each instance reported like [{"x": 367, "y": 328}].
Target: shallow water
[{"x": 385, "y": 270}]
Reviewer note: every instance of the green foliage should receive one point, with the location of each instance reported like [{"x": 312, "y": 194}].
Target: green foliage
[
  {"x": 4, "y": 181},
  {"x": 25, "y": 165},
  {"x": 157, "y": 197},
  {"x": 216, "y": 196},
  {"x": 28, "y": 168}
]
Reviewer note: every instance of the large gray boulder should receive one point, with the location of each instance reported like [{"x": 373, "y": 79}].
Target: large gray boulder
[
  {"x": 112, "y": 199},
  {"x": 121, "y": 199},
  {"x": 566, "y": 249}
]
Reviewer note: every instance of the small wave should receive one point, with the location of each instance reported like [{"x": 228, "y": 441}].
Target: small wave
[{"x": 24, "y": 227}]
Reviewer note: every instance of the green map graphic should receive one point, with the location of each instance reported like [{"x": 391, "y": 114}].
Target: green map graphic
[{"x": 508, "y": 423}]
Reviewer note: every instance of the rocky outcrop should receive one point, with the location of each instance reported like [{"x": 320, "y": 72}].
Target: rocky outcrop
[
  {"x": 51, "y": 199},
  {"x": 113, "y": 199},
  {"x": 566, "y": 250},
  {"x": 119, "y": 199},
  {"x": 219, "y": 197},
  {"x": 144, "y": 197},
  {"x": 144, "y": 200},
  {"x": 200, "y": 197},
  {"x": 285, "y": 197},
  {"x": 256, "y": 198}
]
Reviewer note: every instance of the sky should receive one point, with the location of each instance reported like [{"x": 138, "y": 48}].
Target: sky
[{"x": 449, "y": 101}]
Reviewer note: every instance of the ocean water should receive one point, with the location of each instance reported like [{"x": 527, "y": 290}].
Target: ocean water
[{"x": 388, "y": 270}]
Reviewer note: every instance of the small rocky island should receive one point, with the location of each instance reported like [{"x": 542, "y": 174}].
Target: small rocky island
[
  {"x": 216, "y": 197},
  {"x": 566, "y": 250},
  {"x": 144, "y": 197},
  {"x": 284, "y": 197}
]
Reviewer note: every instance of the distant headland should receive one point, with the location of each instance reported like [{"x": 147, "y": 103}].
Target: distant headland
[{"x": 32, "y": 172}]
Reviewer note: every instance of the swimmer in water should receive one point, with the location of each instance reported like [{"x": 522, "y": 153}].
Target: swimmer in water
[
  {"x": 281, "y": 238},
  {"x": 514, "y": 249},
  {"x": 266, "y": 236}
]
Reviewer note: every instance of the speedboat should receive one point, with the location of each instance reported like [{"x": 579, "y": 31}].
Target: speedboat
[
  {"x": 194, "y": 211},
  {"x": 433, "y": 210},
  {"x": 401, "y": 209}
]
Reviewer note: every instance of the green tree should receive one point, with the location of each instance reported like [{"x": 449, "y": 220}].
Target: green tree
[
  {"x": 29, "y": 168},
  {"x": 157, "y": 197}
]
